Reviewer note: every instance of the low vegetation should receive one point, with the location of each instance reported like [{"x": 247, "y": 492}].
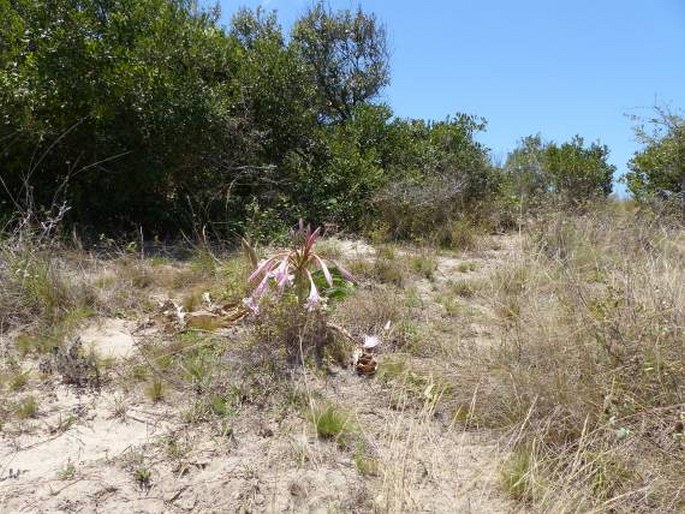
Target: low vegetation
[
  {"x": 561, "y": 342},
  {"x": 457, "y": 335},
  {"x": 587, "y": 371}
]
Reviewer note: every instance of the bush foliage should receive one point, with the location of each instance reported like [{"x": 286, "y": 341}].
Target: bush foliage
[
  {"x": 219, "y": 127},
  {"x": 151, "y": 116}
]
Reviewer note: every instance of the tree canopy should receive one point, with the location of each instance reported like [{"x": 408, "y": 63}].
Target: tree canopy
[
  {"x": 150, "y": 114},
  {"x": 570, "y": 172},
  {"x": 659, "y": 168}
]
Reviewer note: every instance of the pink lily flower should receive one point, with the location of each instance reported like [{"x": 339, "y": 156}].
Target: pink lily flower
[{"x": 314, "y": 299}]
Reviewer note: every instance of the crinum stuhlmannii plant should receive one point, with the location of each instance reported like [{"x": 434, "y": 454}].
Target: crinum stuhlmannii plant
[{"x": 292, "y": 270}]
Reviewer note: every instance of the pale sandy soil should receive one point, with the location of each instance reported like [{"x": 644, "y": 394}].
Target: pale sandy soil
[{"x": 86, "y": 450}]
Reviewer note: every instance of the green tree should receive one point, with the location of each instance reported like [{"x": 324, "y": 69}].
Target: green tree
[
  {"x": 436, "y": 174},
  {"x": 659, "y": 168},
  {"x": 337, "y": 180},
  {"x": 92, "y": 99},
  {"x": 570, "y": 173},
  {"x": 526, "y": 175},
  {"x": 347, "y": 54},
  {"x": 579, "y": 173}
]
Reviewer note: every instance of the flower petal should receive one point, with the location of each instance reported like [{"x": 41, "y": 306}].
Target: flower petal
[
  {"x": 346, "y": 274},
  {"x": 264, "y": 267},
  {"x": 324, "y": 268},
  {"x": 371, "y": 342},
  {"x": 314, "y": 299},
  {"x": 281, "y": 275},
  {"x": 312, "y": 237}
]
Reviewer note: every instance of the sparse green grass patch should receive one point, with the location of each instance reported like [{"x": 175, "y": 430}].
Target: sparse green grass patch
[
  {"x": 467, "y": 267},
  {"x": 517, "y": 475},
  {"x": 424, "y": 264},
  {"x": 156, "y": 389},
  {"x": 366, "y": 464},
  {"x": 331, "y": 422},
  {"x": 26, "y": 408},
  {"x": 68, "y": 471},
  {"x": 18, "y": 380}
]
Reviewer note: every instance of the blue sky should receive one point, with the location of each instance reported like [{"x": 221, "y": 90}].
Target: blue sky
[{"x": 555, "y": 67}]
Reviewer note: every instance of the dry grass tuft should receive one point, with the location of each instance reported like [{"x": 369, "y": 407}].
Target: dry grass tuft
[
  {"x": 368, "y": 311},
  {"x": 589, "y": 374}
]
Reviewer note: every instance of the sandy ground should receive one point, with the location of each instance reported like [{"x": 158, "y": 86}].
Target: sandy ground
[{"x": 111, "y": 451}]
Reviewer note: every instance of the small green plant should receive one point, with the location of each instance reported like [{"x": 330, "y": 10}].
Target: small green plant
[
  {"x": 26, "y": 408},
  {"x": 198, "y": 367},
  {"x": 143, "y": 476},
  {"x": 155, "y": 389},
  {"x": 463, "y": 288},
  {"x": 366, "y": 465},
  {"x": 68, "y": 471},
  {"x": 331, "y": 423},
  {"x": 64, "y": 424},
  {"x": 413, "y": 299},
  {"x": 220, "y": 406},
  {"x": 467, "y": 267},
  {"x": 391, "y": 369},
  {"x": 516, "y": 474},
  {"x": 139, "y": 372},
  {"x": 18, "y": 380},
  {"x": 175, "y": 448},
  {"x": 38, "y": 343},
  {"x": 388, "y": 268},
  {"x": 119, "y": 408},
  {"x": 424, "y": 264},
  {"x": 292, "y": 270},
  {"x": 329, "y": 249}
]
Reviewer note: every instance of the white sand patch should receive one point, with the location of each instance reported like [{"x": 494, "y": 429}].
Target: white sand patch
[{"x": 110, "y": 337}]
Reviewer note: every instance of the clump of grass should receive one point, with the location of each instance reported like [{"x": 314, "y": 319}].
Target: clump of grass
[
  {"x": 26, "y": 408},
  {"x": 232, "y": 275},
  {"x": 517, "y": 474},
  {"x": 197, "y": 367},
  {"x": 463, "y": 288},
  {"x": 391, "y": 368},
  {"x": 389, "y": 268},
  {"x": 467, "y": 267},
  {"x": 175, "y": 449},
  {"x": 119, "y": 408},
  {"x": 424, "y": 264},
  {"x": 427, "y": 387},
  {"x": 366, "y": 464},
  {"x": 38, "y": 287},
  {"x": 329, "y": 249},
  {"x": 368, "y": 311},
  {"x": 220, "y": 405},
  {"x": 332, "y": 423},
  {"x": 134, "y": 461},
  {"x": 143, "y": 476},
  {"x": 156, "y": 389},
  {"x": 588, "y": 368},
  {"x": 18, "y": 380},
  {"x": 68, "y": 471}
]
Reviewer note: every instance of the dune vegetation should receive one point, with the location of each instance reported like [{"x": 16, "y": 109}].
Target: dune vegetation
[{"x": 232, "y": 280}]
